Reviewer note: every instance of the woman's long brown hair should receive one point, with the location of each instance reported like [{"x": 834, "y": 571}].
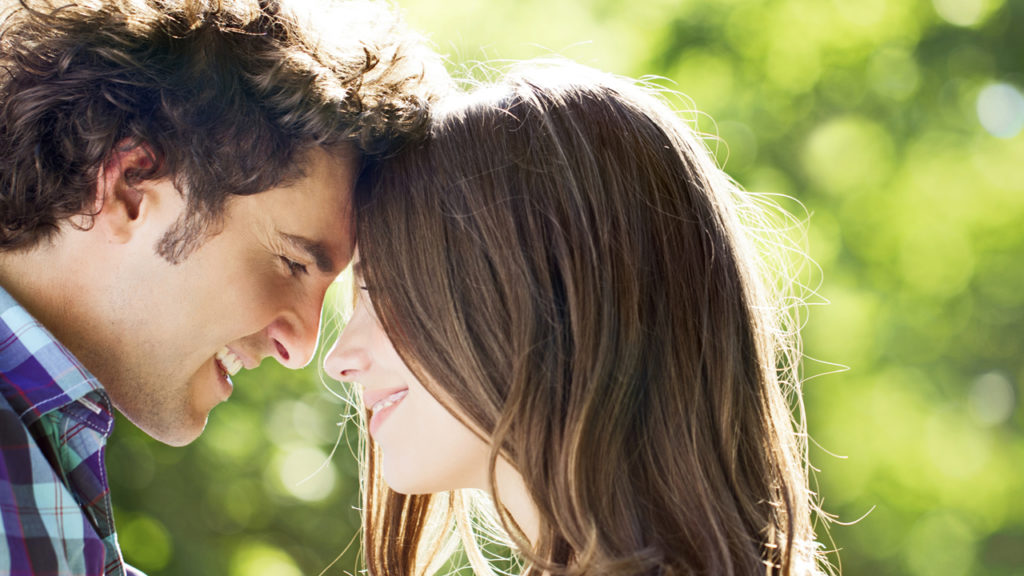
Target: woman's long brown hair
[{"x": 563, "y": 266}]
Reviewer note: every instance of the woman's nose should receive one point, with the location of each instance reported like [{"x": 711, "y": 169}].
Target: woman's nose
[{"x": 349, "y": 357}]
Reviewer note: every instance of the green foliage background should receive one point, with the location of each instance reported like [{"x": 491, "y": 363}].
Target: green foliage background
[{"x": 897, "y": 123}]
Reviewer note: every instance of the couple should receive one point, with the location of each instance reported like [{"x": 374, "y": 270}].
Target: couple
[{"x": 558, "y": 303}]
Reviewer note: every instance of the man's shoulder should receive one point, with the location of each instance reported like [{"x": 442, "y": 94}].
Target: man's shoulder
[
  {"x": 43, "y": 530},
  {"x": 37, "y": 373},
  {"x": 14, "y": 437}
]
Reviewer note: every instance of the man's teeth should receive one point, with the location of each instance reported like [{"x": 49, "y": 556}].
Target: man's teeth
[
  {"x": 228, "y": 361},
  {"x": 389, "y": 401}
]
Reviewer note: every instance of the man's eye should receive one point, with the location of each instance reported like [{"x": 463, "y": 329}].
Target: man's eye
[{"x": 294, "y": 267}]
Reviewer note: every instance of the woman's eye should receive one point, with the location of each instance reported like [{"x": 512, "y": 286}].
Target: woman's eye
[{"x": 294, "y": 267}]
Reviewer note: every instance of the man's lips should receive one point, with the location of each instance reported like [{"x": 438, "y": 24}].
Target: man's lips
[
  {"x": 228, "y": 364},
  {"x": 229, "y": 361}
]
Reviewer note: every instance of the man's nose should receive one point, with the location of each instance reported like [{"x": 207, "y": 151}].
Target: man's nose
[{"x": 293, "y": 334}]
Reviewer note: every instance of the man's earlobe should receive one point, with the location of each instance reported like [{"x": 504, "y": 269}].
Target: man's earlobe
[{"x": 120, "y": 203}]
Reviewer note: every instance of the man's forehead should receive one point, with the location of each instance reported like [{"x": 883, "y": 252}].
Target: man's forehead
[
  {"x": 312, "y": 162},
  {"x": 313, "y": 215}
]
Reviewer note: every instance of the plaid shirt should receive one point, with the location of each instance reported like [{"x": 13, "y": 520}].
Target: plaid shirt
[{"x": 55, "y": 419}]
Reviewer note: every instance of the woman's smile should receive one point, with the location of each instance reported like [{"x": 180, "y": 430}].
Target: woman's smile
[{"x": 381, "y": 403}]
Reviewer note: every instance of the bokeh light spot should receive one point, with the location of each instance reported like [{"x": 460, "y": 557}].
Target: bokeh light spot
[
  {"x": 258, "y": 559},
  {"x": 705, "y": 77},
  {"x": 893, "y": 73},
  {"x": 866, "y": 13},
  {"x": 964, "y": 12},
  {"x": 991, "y": 399},
  {"x": 146, "y": 542},
  {"x": 305, "y": 472},
  {"x": 848, "y": 155},
  {"x": 241, "y": 502},
  {"x": 1001, "y": 110}
]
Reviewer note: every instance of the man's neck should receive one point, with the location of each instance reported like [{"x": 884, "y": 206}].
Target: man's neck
[{"x": 42, "y": 279}]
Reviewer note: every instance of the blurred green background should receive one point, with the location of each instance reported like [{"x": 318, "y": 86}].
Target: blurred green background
[{"x": 898, "y": 125}]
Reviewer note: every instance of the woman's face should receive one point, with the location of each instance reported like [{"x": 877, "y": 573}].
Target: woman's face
[{"x": 425, "y": 449}]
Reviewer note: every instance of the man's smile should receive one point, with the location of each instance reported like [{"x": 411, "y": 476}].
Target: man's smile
[{"x": 228, "y": 361}]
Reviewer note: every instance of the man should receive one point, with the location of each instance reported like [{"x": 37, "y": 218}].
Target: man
[{"x": 175, "y": 178}]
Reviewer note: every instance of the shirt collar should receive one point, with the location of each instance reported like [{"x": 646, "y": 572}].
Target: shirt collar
[{"x": 39, "y": 375}]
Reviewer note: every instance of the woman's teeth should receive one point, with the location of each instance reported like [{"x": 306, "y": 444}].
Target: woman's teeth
[
  {"x": 389, "y": 401},
  {"x": 228, "y": 361}
]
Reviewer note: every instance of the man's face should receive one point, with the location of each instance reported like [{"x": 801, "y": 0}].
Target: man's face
[{"x": 252, "y": 290}]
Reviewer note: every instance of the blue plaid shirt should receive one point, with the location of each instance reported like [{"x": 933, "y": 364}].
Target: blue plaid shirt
[{"x": 55, "y": 419}]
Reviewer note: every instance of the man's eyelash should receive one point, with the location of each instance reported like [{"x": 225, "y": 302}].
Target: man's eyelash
[{"x": 294, "y": 267}]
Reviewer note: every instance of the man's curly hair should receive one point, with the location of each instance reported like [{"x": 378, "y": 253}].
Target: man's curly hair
[{"x": 227, "y": 95}]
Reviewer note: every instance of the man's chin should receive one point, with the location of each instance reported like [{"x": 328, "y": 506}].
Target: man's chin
[
  {"x": 170, "y": 433},
  {"x": 176, "y": 441}
]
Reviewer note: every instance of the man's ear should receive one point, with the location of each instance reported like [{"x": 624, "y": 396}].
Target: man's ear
[{"x": 120, "y": 203}]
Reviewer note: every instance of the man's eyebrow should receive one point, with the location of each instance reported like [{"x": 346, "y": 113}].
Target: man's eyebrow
[{"x": 316, "y": 250}]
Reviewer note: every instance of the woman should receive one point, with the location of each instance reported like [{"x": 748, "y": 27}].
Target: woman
[{"x": 561, "y": 306}]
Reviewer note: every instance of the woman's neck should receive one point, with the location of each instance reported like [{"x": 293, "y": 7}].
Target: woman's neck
[{"x": 516, "y": 499}]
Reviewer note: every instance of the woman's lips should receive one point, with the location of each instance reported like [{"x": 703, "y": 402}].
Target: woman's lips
[{"x": 381, "y": 404}]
